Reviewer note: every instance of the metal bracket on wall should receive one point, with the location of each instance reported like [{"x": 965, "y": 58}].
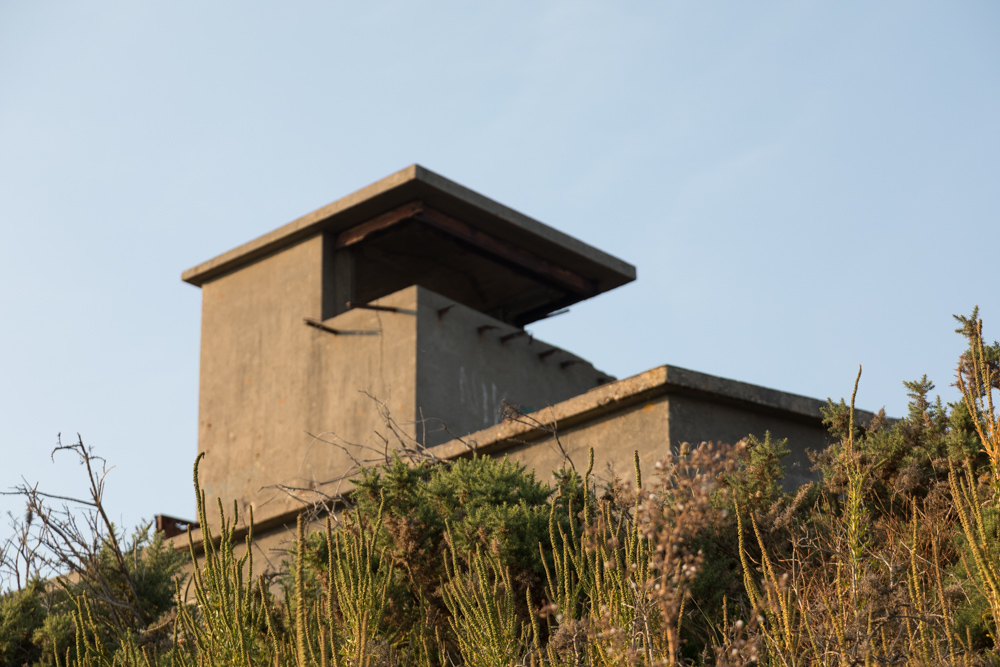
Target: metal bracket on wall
[
  {"x": 555, "y": 314},
  {"x": 510, "y": 336},
  {"x": 368, "y": 306},
  {"x": 339, "y": 332},
  {"x": 319, "y": 325}
]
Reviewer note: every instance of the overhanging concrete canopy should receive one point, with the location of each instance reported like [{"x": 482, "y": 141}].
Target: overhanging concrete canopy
[{"x": 416, "y": 227}]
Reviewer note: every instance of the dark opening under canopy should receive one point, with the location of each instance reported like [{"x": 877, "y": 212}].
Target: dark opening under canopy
[{"x": 416, "y": 227}]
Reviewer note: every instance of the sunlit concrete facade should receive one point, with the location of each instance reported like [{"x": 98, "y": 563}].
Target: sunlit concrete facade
[{"x": 395, "y": 317}]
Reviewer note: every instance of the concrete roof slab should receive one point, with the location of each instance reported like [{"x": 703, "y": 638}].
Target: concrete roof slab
[{"x": 416, "y": 183}]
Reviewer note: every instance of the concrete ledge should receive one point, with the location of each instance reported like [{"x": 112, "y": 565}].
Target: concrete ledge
[
  {"x": 733, "y": 392},
  {"x": 260, "y": 526},
  {"x": 619, "y": 395},
  {"x": 417, "y": 183}
]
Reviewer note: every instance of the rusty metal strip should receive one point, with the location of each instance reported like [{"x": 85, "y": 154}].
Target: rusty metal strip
[
  {"x": 545, "y": 311},
  {"x": 319, "y": 325},
  {"x": 510, "y": 253},
  {"x": 507, "y": 252},
  {"x": 516, "y": 334},
  {"x": 378, "y": 224},
  {"x": 370, "y": 306}
]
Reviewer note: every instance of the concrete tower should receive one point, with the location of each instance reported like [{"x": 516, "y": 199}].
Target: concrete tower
[
  {"x": 407, "y": 298},
  {"x": 406, "y": 301}
]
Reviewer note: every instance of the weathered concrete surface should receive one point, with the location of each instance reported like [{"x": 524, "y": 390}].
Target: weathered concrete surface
[
  {"x": 270, "y": 382},
  {"x": 288, "y": 406},
  {"x": 468, "y": 364},
  {"x": 418, "y": 183},
  {"x": 694, "y": 420},
  {"x": 651, "y": 413},
  {"x": 614, "y": 436},
  {"x": 272, "y": 542}
]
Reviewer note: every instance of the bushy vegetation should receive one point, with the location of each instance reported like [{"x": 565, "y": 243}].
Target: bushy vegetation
[{"x": 892, "y": 558}]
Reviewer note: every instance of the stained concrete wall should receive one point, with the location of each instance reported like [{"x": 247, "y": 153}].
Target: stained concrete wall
[
  {"x": 615, "y": 436},
  {"x": 270, "y": 382},
  {"x": 466, "y": 370},
  {"x": 440, "y": 369},
  {"x": 258, "y": 363},
  {"x": 658, "y": 425},
  {"x": 695, "y": 419},
  {"x": 653, "y": 413},
  {"x": 271, "y": 546}
]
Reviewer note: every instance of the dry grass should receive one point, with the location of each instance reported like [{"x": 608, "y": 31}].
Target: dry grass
[{"x": 893, "y": 559}]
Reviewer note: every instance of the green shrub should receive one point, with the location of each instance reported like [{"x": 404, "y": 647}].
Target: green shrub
[
  {"x": 892, "y": 557},
  {"x": 21, "y": 616}
]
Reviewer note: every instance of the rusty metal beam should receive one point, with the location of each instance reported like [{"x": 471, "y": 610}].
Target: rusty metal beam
[
  {"x": 172, "y": 526},
  {"x": 378, "y": 224},
  {"x": 369, "y": 306},
  {"x": 508, "y": 252},
  {"x": 322, "y": 327},
  {"x": 516, "y": 334},
  {"x": 545, "y": 311}
]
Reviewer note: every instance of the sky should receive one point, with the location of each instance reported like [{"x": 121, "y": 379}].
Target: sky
[{"x": 803, "y": 187}]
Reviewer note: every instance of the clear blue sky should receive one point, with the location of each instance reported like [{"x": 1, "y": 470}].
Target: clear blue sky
[{"x": 803, "y": 186}]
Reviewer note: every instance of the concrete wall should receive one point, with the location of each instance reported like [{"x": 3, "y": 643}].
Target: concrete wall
[
  {"x": 653, "y": 413},
  {"x": 697, "y": 419},
  {"x": 655, "y": 426},
  {"x": 258, "y": 362},
  {"x": 268, "y": 380},
  {"x": 465, "y": 371},
  {"x": 271, "y": 544},
  {"x": 614, "y": 436}
]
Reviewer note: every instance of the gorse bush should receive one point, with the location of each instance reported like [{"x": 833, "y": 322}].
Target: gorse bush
[
  {"x": 65, "y": 563},
  {"x": 891, "y": 558},
  {"x": 431, "y": 511}
]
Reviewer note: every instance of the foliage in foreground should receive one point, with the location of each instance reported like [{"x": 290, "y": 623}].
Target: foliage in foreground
[{"x": 893, "y": 558}]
